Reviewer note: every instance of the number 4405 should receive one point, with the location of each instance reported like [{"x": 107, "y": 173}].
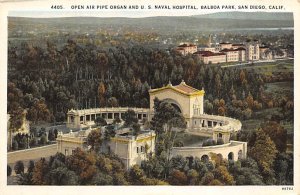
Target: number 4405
[{"x": 56, "y": 7}]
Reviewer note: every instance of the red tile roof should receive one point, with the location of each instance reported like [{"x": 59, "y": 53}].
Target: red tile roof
[
  {"x": 208, "y": 53},
  {"x": 203, "y": 52},
  {"x": 182, "y": 88},
  {"x": 185, "y": 88},
  {"x": 238, "y": 44},
  {"x": 228, "y": 50},
  {"x": 214, "y": 54},
  {"x": 240, "y": 48},
  {"x": 187, "y": 45}
]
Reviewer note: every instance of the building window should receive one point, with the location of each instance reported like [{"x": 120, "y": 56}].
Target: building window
[
  {"x": 93, "y": 117},
  {"x": 66, "y": 152},
  {"x": 220, "y": 135},
  {"x": 110, "y": 115},
  {"x": 88, "y": 117},
  {"x": 142, "y": 149},
  {"x": 137, "y": 149}
]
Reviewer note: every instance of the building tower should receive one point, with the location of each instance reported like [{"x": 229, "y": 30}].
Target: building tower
[{"x": 209, "y": 41}]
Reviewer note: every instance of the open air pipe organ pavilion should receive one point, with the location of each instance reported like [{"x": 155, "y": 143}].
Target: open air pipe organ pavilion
[{"x": 189, "y": 101}]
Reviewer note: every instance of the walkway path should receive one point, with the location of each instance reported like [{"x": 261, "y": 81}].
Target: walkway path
[
  {"x": 255, "y": 62},
  {"x": 31, "y": 154}
]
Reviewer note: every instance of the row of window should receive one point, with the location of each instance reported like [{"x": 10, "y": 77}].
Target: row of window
[
  {"x": 140, "y": 149},
  {"x": 92, "y": 117},
  {"x": 67, "y": 151}
]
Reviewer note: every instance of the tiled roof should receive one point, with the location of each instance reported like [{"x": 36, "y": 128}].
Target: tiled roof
[
  {"x": 213, "y": 54},
  {"x": 203, "y": 52},
  {"x": 185, "y": 88},
  {"x": 182, "y": 88},
  {"x": 228, "y": 50},
  {"x": 240, "y": 48},
  {"x": 187, "y": 45},
  {"x": 208, "y": 53},
  {"x": 238, "y": 44},
  {"x": 223, "y": 43}
]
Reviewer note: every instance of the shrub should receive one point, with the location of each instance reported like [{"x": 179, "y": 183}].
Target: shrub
[
  {"x": 19, "y": 167},
  {"x": 220, "y": 141},
  {"x": 30, "y": 166},
  {"x": 209, "y": 142},
  {"x": 43, "y": 140},
  {"x": 9, "y": 170},
  {"x": 33, "y": 142},
  {"x": 15, "y": 145}
]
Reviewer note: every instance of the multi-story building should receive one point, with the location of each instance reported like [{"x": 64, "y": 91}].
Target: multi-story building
[
  {"x": 264, "y": 53},
  {"x": 252, "y": 50},
  {"x": 208, "y": 57},
  {"x": 211, "y": 49},
  {"x": 186, "y": 49},
  {"x": 242, "y": 54},
  {"x": 237, "y": 46},
  {"x": 223, "y": 45},
  {"x": 234, "y": 55},
  {"x": 129, "y": 148}
]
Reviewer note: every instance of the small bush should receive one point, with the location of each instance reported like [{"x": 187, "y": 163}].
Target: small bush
[
  {"x": 220, "y": 141},
  {"x": 15, "y": 145},
  {"x": 209, "y": 142},
  {"x": 33, "y": 142},
  {"x": 19, "y": 167},
  {"x": 30, "y": 166},
  {"x": 43, "y": 140},
  {"x": 9, "y": 170}
]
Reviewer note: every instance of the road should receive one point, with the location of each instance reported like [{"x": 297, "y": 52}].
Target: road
[
  {"x": 255, "y": 62},
  {"x": 31, "y": 154}
]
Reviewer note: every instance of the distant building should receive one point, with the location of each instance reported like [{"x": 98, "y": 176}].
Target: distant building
[
  {"x": 237, "y": 46},
  {"x": 283, "y": 54},
  {"x": 265, "y": 53},
  {"x": 211, "y": 49},
  {"x": 208, "y": 57},
  {"x": 209, "y": 41},
  {"x": 186, "y": 49},
  {"x": 252, "y": 50},
  {"x": 234, "y": 55},
  {"x": 223, "y": 45}
]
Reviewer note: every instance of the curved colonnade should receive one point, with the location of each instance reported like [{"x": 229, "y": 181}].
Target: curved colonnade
[{"x": 215, "y": 127}]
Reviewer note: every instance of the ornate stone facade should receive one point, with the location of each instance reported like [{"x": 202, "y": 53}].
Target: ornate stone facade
[
  {"x": 132, "y": 149},
  {"x": 186, "y": 98},
  {"x": 82, "y": 118}
]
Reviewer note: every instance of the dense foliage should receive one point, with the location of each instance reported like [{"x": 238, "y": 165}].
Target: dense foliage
[{"x": 48, "y": 81}]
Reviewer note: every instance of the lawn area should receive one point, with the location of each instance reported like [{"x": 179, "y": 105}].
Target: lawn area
[
  {"x": 280, "y": 88},
  {"x": 249, "y": 125},
  {"x": 268, "y": 68},
  {"x": 189, "y": 139}
]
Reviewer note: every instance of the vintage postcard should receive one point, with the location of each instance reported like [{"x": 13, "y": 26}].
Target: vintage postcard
[{"x": 149, "y": 97}]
